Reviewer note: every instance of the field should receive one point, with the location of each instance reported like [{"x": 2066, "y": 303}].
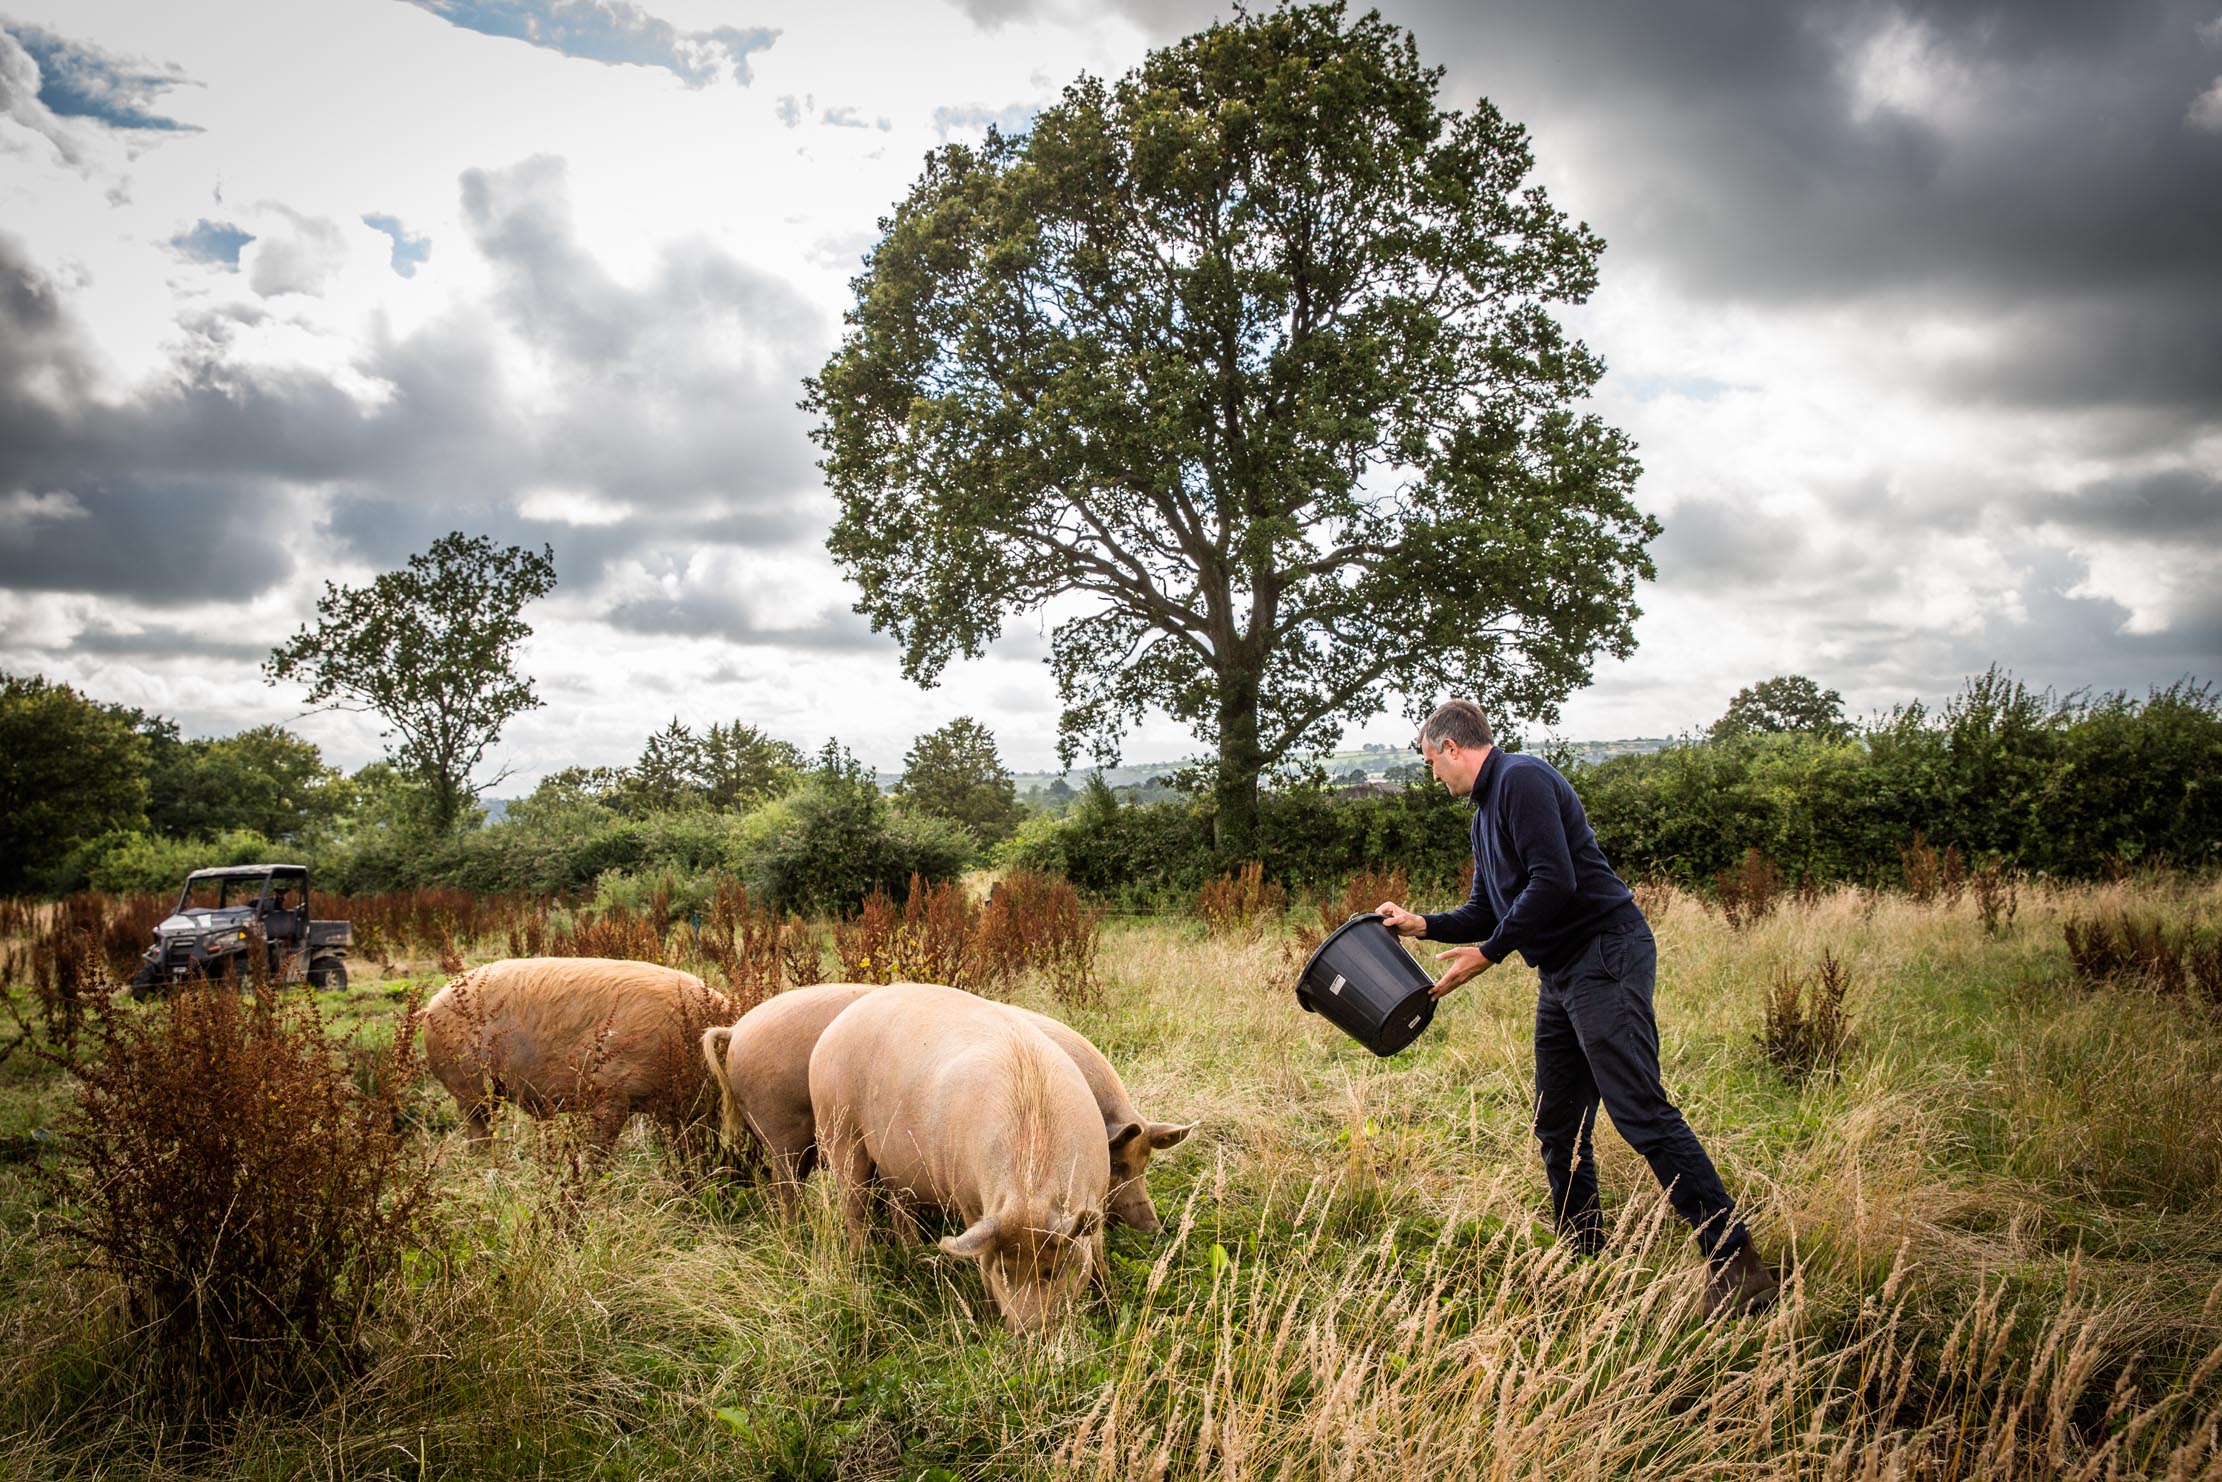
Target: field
[{"x": 2000, "y": 1214}]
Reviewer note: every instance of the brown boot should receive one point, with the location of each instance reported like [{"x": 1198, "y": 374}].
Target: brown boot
[{"x": 1741, "y": 1286}]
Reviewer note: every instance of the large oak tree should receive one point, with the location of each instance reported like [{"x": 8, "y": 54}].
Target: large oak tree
[{"x": 1248, "y": 363}]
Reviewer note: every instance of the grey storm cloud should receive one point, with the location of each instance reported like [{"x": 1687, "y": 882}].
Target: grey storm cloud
[
  {"x": 187, "y": 484},
  {"x": 2040, "y": 167},
  {"x": 75, "y": 80},
  {"x": 728, "y": 616},
  {"x": 2171, "y": 506},
  {"x": 223, "y": 640},
  {"x": 613, "y": 32}
]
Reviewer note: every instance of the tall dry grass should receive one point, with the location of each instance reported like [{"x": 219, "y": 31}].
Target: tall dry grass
[{"x": 2001, "y": 1221}]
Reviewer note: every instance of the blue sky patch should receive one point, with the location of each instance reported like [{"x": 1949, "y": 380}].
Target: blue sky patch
[
  {"x": 1017, "y": 118},
  {"x": 213, "y": 241},
  {"x": 408, "y": 251},
  {"x": 78, "y": 81},
  {"x": 611, "y": 31}
]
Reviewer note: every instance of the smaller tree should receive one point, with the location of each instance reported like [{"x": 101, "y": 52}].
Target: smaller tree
[
  {"x": 668, "y": 775},
  {"x": 432, "y": 651},
  {"x": 567, "y": 790},
  {"x": 1784, "y": 704},
  {"x": 741, "y": 766},
  {"x": 955, "y": 773}
]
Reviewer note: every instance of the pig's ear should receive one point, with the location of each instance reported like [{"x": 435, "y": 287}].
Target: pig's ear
[
  {"x": 1123, "y": 1133},
  {"x": 1165, "y": 1134},
  {"x": 972, "y": 1242}
]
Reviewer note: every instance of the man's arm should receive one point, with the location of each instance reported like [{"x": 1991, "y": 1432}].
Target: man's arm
[
  {"x": 1465, "y": 962},
  {"x": 1471, "y": 922},
  {"x": 1531, "y": 814}
]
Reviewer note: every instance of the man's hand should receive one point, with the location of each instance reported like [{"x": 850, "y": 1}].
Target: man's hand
[
  {"x": 1465, "y": 963},
  {"x": 1404, "y": 923}
]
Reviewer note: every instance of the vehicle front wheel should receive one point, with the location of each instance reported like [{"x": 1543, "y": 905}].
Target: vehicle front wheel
[{"x": 327, "y": 973}]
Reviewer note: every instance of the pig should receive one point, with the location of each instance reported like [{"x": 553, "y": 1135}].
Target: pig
[
  {"x": 590, "y": 1035},
  {"x": 762, "y": 1065},
  {"x": 944, "y": 1099},
  {"x": 1131, "y": 1137}
]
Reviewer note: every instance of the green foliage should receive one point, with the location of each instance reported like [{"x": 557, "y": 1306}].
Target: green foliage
[
  {"x": 954, "y": 773},
  {"x": 431, "y": 650},
  {"x": 1149, "y": 354},
  {"x": 1787, "y": 702},
  {"x": 1157, "y": 856},
  {"x": 70, "y": 770},
  {"x": 739, "y": 767},
  {"x": 135, "y": 863},
  {"x": 265, "y": 779},
  {"x": 728, "y": 768},
  {"x": 2072, "y": 787},
  {"x": 830, "y": 843}
]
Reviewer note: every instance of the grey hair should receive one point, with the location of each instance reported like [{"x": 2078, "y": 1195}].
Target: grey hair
[{"x": 1460, "y": 721}]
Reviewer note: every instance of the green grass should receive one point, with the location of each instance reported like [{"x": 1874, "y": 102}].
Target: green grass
[{"x": 2002, "y": 1222}]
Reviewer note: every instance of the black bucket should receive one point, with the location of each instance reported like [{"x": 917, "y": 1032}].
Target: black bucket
[{"x": 1367, "y": 985}]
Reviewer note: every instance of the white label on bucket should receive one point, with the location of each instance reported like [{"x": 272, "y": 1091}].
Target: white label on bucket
[
  {"x": 1336, "y": 986},
  {"x": 1415, "y": 1021}
]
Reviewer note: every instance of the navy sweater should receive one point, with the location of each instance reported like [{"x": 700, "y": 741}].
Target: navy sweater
[{"x": 1541, "y": 884}]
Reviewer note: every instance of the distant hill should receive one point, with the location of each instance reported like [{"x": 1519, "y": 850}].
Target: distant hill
[{"x": 1372, "y": 760}]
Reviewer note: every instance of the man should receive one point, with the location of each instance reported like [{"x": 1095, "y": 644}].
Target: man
[{"x": 1542, "y": 888}]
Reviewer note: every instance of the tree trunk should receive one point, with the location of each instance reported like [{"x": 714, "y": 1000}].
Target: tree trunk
[{"x": 1235, "y": 824}]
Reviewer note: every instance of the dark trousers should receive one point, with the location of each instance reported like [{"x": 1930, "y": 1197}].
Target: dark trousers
[{"x": 1596, "y": 1040}]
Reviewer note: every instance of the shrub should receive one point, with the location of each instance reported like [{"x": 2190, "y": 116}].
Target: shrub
[
  {"x": 1806, "y": 1029},
  {"x": 249, "y": 1196},
  {"x": 1040, "y": 922},
  {"x": 829, "y": 845},
  {"x": 617, "y": 933},
  {"x": 1747, "y": 893},
  {"x": 1997, "y": 897},
  {"x": 134, "y": 864},
  {"x": 2127, "y": 948},
  {"x": 742, "y": 941},
  {"x": 1930, "y": 874},
  {"x": 937, "y": 937},
  {"x": 1241, "y": 902},
  {"x": 1030, "y": 922}
]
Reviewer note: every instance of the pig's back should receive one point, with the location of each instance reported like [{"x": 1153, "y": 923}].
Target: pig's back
[{"x": 542, "y": 1019}]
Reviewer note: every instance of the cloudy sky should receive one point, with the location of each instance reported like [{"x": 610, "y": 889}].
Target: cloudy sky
[{"x": 1915, "y": 311}]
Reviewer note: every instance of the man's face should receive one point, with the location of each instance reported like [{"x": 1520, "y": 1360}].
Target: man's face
[{"x": 1451, "y": 764}]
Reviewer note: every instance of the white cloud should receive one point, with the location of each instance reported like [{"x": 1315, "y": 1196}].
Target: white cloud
[
  {"x": 2205, "y": 112},
  {"x": 303, "y": 259},
  {"x": 21, "y": 511}
]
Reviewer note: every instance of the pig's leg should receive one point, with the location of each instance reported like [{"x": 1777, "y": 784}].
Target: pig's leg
[
  {"x": 851, "y": 1162},
  {"x": 789, "y": 1157},
  {"x": 1099, "y": 1261},
  {"x": 478, "y": 1121},
  {"x": 899, "y": 1215},
  {"x": 604, "y": 1121}
]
